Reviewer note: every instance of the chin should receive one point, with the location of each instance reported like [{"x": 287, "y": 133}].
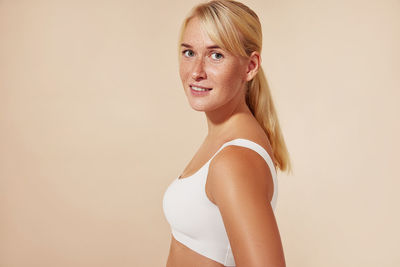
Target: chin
[{"x": 199, "y": 106}]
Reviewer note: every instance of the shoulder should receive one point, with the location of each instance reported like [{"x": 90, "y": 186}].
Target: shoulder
[
  {"x": 237, "y": 172},
  {"x": 241, "y": 186}
]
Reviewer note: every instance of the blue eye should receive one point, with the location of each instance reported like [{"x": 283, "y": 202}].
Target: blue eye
[
  {"x": 189, "y": 54},
  {"x": 218, "y": 55}
]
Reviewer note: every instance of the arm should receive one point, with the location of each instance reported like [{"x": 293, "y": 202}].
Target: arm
[{"x": 241, "y": 186}]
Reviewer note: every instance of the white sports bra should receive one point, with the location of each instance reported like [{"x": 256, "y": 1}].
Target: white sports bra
[{"x": 196, "y": 221}]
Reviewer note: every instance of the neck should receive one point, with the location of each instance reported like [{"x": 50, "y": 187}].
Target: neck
[{"x": 223, "y": 121}]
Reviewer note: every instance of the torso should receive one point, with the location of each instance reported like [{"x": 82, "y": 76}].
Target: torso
[{"x": 179, "y": 254}]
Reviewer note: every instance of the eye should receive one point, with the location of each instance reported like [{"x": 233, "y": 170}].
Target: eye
[
  {"x": 217, "y": 56},
  {"x": 187, "y": 53}
]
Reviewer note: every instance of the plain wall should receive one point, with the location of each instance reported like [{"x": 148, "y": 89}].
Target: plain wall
[{"x": 94, "y": 125}]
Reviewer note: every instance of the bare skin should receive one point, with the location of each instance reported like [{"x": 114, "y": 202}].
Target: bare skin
[{"x": 252, "y": 232}]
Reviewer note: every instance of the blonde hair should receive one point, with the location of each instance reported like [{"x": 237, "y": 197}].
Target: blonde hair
[{"x": 237, "y": 29}]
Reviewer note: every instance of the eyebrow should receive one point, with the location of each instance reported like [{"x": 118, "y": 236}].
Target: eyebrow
[{"x": 208, "y": 47}]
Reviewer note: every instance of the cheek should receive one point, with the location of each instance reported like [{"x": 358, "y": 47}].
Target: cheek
[
  {"x": 180, "y": 67},
  {"x": 183, "y": 70},
  {"x": 230, "y": 75}
]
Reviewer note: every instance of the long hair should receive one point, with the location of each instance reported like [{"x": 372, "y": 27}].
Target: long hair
[{"x": 237, "y": 29}]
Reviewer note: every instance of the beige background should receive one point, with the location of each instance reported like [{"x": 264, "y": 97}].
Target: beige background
[{"x": 94, "y": 126}]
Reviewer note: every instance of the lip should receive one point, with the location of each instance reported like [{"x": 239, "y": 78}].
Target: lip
[
  {"x": 199, "y": 86},
  {"x": 199, "y": 93}
]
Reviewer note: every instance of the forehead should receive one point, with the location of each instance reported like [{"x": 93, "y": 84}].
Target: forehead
[{"x": 195, "y": 35}]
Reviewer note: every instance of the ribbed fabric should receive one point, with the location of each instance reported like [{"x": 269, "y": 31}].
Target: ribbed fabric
[{"x": 195, "y": 221}]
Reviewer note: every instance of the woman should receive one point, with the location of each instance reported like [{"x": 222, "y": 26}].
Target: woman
[{"x": 221, "y": 208}]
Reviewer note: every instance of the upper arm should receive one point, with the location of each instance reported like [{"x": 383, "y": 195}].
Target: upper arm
[{"x": 239, "y": 186}]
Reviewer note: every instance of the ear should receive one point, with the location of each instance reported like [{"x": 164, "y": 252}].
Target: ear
[{"x": 254, "y": 63}]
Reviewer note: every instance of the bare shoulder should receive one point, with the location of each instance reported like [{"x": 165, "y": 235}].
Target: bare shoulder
[{"x": 239, "y": 168}]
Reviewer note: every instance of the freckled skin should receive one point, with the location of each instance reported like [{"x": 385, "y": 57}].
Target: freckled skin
[{"x": 205, "y": 67}]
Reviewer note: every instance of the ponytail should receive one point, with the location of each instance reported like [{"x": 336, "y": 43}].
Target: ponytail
[{"x": 259, "y": 101}]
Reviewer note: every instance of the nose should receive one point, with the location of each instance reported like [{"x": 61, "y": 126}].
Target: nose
[{"x": 198, "y": 71}]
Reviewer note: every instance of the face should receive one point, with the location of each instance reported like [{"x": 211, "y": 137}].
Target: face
[{"x": 211, "y": 77}]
